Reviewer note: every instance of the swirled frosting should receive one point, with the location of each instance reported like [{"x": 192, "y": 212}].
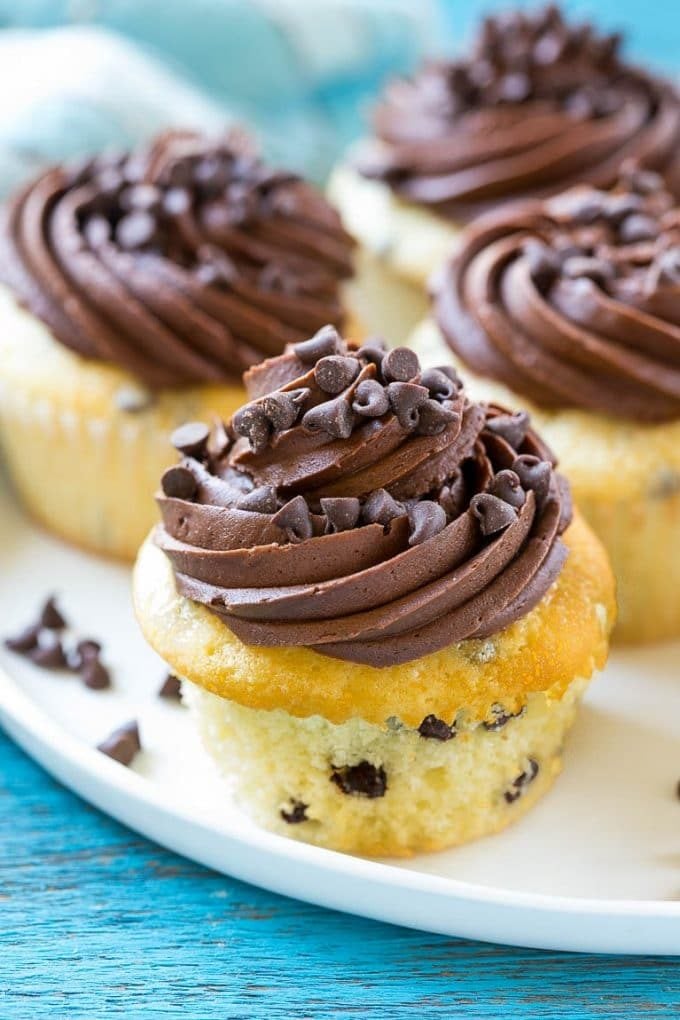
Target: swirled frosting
[
  {"x": 574, "y": 301},
  {"x": 183, "y": 263},
  {"x": 538, "y": 105},
  {"x": 364, "y": 508}
]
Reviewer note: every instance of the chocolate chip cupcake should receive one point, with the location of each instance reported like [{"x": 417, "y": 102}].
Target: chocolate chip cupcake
[
  {"x": 381, "y": 611},
  {"x": 571, "y": 307},
  {"x": 536, "y": 106},
  {"x": 134, "y": 292}
]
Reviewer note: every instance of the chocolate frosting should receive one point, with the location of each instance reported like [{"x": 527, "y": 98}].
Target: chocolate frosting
[
  {"x": 183, "y": 263},
  {"x": 574, "y": 301},
  {"x": 538, "y": 105},
  {"x": 363, "y": 508}
]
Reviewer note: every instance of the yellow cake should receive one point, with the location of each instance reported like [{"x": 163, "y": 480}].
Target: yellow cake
[
  {"x": 534, "y": 105},
  {"x": 133, "y": 294},
  {"x": 591, "y": 357},
  {"x": 381, "y": 658}
]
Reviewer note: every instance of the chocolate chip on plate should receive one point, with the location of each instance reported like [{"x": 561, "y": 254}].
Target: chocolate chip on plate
[
  {"x": 171, "y": 688},
  {"x": 25, "y": 641},
  {"x": 362, "y": 780},
  {"x": 50, "y": 616},
  {"x": 123, "y": 744},
  {"x": 432, "y": 728},
  {"x": 95, "y": 675},
  {"x": 49, "y": 653}
]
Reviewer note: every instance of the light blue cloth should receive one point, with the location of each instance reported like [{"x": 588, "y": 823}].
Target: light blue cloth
[{"x": 116, "y": 71}]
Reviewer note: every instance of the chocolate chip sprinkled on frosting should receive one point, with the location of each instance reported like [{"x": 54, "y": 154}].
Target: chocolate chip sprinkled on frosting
[
  {"x": 573, "y": 301},
  {"x": 185, "y": 262},
  {"x": 539, "y": 104},
  {"x": 377, "y": 542}
]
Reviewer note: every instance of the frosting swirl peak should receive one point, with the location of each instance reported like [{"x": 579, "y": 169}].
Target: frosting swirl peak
[
  {"x": 185, "y": 262},
  {"x": 574, "y": 301},
  {"x": 363, "y": 507},
  {"x": 537, "y": 106}
]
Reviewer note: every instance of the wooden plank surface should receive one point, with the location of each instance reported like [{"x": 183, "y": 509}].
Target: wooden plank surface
[{"x": 97, "y": 922}]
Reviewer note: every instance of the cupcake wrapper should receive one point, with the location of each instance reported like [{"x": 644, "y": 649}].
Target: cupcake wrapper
[{"x": 373, "y": 790}]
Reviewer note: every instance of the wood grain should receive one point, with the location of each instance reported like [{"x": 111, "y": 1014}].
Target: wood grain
[{"x": 97, "y": 922}]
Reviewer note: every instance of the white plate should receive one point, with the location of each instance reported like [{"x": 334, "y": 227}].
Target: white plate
[{"x": 595, "y": 867}]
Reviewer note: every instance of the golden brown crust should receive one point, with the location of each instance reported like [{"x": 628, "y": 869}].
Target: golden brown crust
[{"x": 566, "y": 636}]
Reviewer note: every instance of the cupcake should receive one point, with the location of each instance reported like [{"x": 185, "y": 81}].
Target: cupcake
[
  {"x": 570, "y": 307},
  {"x": 134, "y": 292},
  {"x": 380, "y": 610},
  {"x": 538, "y": 105}
]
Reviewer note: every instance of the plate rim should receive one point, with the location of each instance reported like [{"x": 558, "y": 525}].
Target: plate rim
[{"x": 90, "y": 774}]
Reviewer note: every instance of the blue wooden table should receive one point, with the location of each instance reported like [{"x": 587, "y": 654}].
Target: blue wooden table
[{"x": 97, "y": 922}]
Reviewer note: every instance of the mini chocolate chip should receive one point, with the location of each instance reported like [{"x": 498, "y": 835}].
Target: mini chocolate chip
[
  {"x": 171, "y": 688},
  {"x": 136, "y": 230},
  {"x": 426, "y": 519},
  {"x": 260, "y": 501},
  {"x": 373, "y": 352},
  {"x": 433, "y": 728},
  {"x": 543, "y": 263},
  {"x": 522, "y": 781},
  {"x": 500, "y": 718},
  {"x": 342, "y": 513},
  {"x": 296, "y": 814},
  {"x": 452, "y": 496},
  {"x": 370, "y": 399},
  {"x": 179, "y": 483},
  {"x": 638, "y": 227},
  {"x": 50, "y": 617},
  {"x": 276, "y": 278},
  {"x": 95, "y": 675},
  {"x": 252, "y": 422},
  {"x": 295, "y": 519},
  {"x": 400, "y": 365},
  {"x": 511, "y": 427},
  {"x": 507, "y": 486},
  {"x": 49, "y": 655},
  {"x": 643, "y": 182},
  {"x": 440, "y": 385},
  {"x": 434, "y": 417},
  {"x": 281, "y": 410},
  {"x": 534, "y": 474},
  {"x": 514, "y": 87},
  {"x": 336, "y": 372},
  {"x": 596, "y": 269},
  {"x": 25, "y": 641},
  {"x": 87, "y": 649},
  {"x": 219, "y": 441},
  {"x": 141, "y": 196},
  {"x": 381, "y": 508},
  {"x": 123, "y": 744},
  {"x": 191, "y": 439},
  {"x": 324, "y": 343},
  {"x": 362, "y": 780},
  {"x": 493, "y": 514},
  {"x": 335, "y": 417},
  {"x": 405, "y": 399},
  {"x": 215, "y": 269}
]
